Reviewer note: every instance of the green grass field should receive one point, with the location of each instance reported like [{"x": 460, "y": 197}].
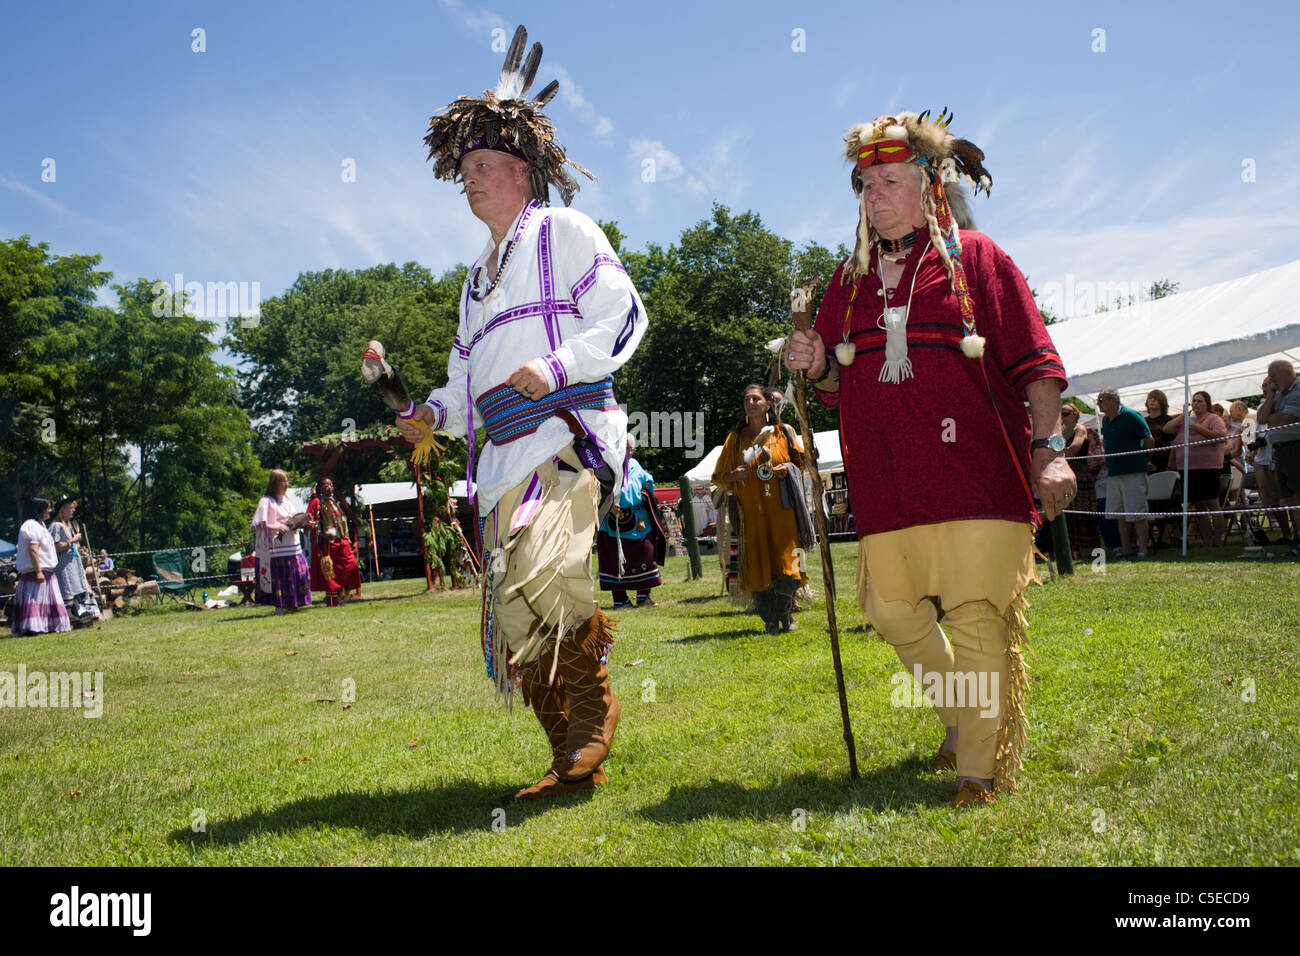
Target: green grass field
[{"x": 1163, "y": 732}]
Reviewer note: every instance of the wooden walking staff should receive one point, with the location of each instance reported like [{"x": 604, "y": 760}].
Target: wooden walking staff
[{"x": 801, "y": 315}]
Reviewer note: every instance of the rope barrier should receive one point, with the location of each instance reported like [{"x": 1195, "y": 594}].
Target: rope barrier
[
  {"x": 1173, "y": 514},
  {"x": 1188, "y": 444},
  {"x": 190, "y": 548}
]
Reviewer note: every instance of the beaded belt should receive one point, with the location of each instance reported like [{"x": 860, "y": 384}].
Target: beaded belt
[{"x": 508, "y": 416}]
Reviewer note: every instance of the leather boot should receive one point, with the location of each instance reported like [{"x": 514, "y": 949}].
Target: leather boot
[
  {"x": 593, "y": 708},
  {"x": 765, "y": 605},
  {"x": 552, "y": 710},
  {"x": 783, "y": 588}
]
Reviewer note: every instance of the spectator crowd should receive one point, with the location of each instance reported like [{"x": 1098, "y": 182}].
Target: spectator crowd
[{"x": 1130, "y": 469}]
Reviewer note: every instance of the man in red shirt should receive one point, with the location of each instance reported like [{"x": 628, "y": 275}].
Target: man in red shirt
[{"x": 935, "y": 326}]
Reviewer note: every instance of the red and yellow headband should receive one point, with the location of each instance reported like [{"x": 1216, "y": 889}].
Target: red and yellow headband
[{"x": 884, "y": 151}]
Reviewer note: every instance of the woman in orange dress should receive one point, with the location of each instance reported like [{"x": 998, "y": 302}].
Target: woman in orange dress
[{"x": 756, "y": 454}]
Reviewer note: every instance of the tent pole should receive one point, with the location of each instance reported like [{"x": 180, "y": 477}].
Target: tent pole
[
  {"x": 1187, "y": 458},
  {"x": 374, "y": 544}
]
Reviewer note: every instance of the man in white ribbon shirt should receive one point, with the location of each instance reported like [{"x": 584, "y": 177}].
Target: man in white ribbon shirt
[{"x": 547, "y": 314}]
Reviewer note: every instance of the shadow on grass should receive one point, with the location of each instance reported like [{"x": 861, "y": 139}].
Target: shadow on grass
[
  {"x": 755, "y": 631},
  {"x": 268, "y": 611},
  {"x": 459, "y": 807},
  {"x": 406, "y": 597},
  {"x": 898, "y": 787}
]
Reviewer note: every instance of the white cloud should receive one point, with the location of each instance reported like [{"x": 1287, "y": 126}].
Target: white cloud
[
  {"x": 894, "y": 103},
  {"x": 481, "y": 20},
  {"x": 571, "y": 95},
  {"x": 272, "y": 202},
  {"x": 986, "y": 133},
  {"x": 667, "y": 164},
  {"x": 34, "y": 195}
]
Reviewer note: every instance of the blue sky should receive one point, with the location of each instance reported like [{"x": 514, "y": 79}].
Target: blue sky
[{"x": 1115, "y": 166}]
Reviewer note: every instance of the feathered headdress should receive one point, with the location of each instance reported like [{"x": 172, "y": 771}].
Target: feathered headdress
[
  {"x": 916, "y": 139},
  {"x": 505, "y": 119}
]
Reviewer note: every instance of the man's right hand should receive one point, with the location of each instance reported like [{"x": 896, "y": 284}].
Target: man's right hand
[
  {"x": 421, "y": 413},
  {"x": 806, "y": 352}
]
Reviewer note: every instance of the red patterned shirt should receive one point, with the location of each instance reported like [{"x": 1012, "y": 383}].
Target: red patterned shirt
[{"x": 930, "y": 448}]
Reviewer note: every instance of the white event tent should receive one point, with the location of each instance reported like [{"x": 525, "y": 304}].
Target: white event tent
[{"x": 1219, "y": 339}]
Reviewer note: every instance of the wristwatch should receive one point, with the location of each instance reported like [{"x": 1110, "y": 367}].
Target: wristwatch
[{"x": 1054, "y": 442}]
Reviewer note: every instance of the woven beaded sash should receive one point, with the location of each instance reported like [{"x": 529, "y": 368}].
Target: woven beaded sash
[{"x": 508, "y": 416}]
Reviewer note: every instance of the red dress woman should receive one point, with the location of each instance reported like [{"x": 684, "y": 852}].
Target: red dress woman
[{"x": 334, "y": 568}]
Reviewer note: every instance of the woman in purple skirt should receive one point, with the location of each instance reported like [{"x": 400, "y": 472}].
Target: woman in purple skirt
[
  {"x": 37, "y": 606},
  {"x": 282, "y": 575}
]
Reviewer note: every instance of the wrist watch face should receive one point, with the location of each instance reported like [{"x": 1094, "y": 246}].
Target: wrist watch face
[{"x": 1054, "y": 442}]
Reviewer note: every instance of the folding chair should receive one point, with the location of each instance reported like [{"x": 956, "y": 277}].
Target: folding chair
[
  {"x": 169, "y": 572},
  {"x": 1256, "y": 522},
  {"x": 1230, "y": 497}
]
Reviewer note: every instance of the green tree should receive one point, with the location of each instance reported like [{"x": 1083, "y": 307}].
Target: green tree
[
  {"x": 613, "y": 234},
  {"x": 1159, "y": 289},
  {"x": 1163, "y": 287},
  {"x": 1049, "y": 315},
  {"x": 300, "y": 371},
  {"x": 165, "y": 394},
  {"x": 45, "y": 303},
  {"x": 715, "y": 299}
]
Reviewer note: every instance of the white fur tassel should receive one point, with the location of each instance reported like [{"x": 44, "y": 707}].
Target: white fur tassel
[
  {"x": 972, "y": 346},
  {"x": 750, "y": 455}
]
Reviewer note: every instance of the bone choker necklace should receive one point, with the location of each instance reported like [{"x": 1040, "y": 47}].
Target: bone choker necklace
[{"x": 897, "y": 246}]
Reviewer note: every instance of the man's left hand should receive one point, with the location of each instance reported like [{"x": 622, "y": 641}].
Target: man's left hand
[
  {"x": 1054, "y": 481},
  {"x": 529, "y": 382}
]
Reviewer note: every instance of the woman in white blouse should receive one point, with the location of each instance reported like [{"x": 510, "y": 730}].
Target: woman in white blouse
[
  {"x": 38, "y": 603},
  {"x": 283, "y": 578}
]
